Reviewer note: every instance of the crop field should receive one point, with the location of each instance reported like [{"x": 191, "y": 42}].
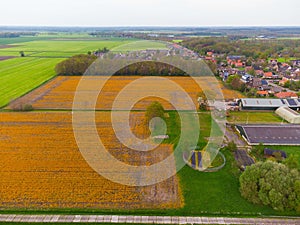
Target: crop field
[
  {"x": 59, "y": 92},
  {"x": 49, "y": 172},
  {"x": 75, "y": 46},
  {"x": 20, "y": 75},
  {"x": 70, "y": 47}
]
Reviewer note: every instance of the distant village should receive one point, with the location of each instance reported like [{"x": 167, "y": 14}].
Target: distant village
[{"x": 266, "y": 78}]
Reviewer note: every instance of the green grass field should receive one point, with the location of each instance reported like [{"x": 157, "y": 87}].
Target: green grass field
[
  {"x": 284, "y": 60},
  {"x": 8, "y": 41},
  {"x": 141, "y": 45},
  {"x": 20, "y": 75},
  {"x": 214, "y": 193},
  {"x": 72, "y": 46},
  {"x": 254, "y": 117},
  {"x": 295, "y": 150}
]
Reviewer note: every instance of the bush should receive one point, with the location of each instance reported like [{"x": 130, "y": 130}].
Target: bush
[
  {"x": 21, "y": 107},
  {"x": 232, "y": 146},
  {"x": 27, "y": 107},
  {"x": 271, "y": 184}
]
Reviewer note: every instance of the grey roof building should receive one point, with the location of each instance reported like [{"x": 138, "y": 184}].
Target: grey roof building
[{"x": 268, "y": 103}]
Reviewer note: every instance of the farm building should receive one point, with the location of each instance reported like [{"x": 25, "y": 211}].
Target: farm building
[
  {"x": 270, "y": 134},
  {"x": 288, "y": 114},
  {"x": 268, "y": 104}
]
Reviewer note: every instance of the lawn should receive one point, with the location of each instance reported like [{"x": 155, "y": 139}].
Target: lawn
[
  {"x": 213, "y": 193},
  {"x": 254, "y": 117},
  {"x": 295, "y": 150},
  {"x": 20, "y": 75}
]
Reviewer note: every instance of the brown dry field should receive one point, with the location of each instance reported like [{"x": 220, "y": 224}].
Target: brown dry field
[
  {"x": 41, "y": 166},
  {"x": 59, "y": 92}
]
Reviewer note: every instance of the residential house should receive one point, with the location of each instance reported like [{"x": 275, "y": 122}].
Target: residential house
[
  {"x": 259, "y": 84},
  {"x": 246, "y": 78},
  {"x": 268, "y": 75},
  {"x": 284, "y": 80},
  {"x": 262, "y": 93},
  {"x": 295, "y": 62},
  {"x": 286, "y": 95}
]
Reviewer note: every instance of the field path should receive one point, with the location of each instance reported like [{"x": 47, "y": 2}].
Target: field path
[{"x": 142, "y": 219}]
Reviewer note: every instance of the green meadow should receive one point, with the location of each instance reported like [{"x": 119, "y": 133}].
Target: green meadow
[{"x": 20, "y": 75}]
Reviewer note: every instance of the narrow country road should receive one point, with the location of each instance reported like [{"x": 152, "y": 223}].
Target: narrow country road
[{"x": 144, "y": 219}]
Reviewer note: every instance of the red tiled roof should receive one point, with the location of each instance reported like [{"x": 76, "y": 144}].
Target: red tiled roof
[
  {"x": 286, "y": 95},
  {"x": 262, "y": 93},
  {"x": 239, "y": 64},
  {"x": 268, "y": 74}
]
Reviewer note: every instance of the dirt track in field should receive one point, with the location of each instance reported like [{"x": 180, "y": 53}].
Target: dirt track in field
[{"x": 2, "y": 58}]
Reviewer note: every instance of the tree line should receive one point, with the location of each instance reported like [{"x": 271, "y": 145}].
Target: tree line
[
  {"x": 77, "y": 65},
  {"x": 249, "y": 48}
]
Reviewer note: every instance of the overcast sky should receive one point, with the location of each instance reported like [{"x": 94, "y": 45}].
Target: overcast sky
[{"x": 150, "y": 12}]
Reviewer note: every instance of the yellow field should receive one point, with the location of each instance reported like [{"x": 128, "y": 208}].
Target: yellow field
[
  {"x": 59, "y": 93},
  {"x": 41, "y": 166}
]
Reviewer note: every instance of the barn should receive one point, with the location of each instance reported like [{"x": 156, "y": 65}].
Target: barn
[
  {"x": 270, "y": 134},
  {"x": 268, "y": 103}
]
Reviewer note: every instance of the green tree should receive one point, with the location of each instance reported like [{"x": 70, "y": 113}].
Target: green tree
[
  {"x": 232, "y": 146},
  {"x": 155, "y": 114},
  {"x": 292, "y": 162},
  {"x": 235, "y": 83},
  {"x": 155, "y": 110},
  {"x": 75, "y": 65},
  {"x": 252, "y": 72},
  {"x": 258, "y": 150},
  {"x": 22, "y": 53},
  {"x": 271, "y": 184}
]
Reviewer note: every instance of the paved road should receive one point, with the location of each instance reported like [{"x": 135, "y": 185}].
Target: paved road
[
  {"x": 143, "y": 219},
  {"x": 275, "y": 85}
]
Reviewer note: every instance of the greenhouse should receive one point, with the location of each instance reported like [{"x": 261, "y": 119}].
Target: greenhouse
[{"x": 289, "y": 115}]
